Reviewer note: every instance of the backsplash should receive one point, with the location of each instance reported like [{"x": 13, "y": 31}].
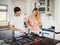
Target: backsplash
[{"x": 47, "y": 22}]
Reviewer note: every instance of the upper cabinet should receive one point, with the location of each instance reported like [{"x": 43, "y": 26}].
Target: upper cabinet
[
  {"x": 47, "y": 6},
  {"x": 42, "y": 6}
]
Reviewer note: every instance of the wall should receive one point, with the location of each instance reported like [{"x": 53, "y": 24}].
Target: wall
[
  {"x": 47, "y": 22},
  {"x": 57, "y": 15},
  {"x": 9, "y": 13},
  {"x": 22, "y": 4},
  {"x": 30, "y": 6},
  {"x": 26, "y": 7},
  {"x": 57, "y": 18}
]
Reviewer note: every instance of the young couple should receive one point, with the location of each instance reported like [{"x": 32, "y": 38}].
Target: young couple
[{"x": 17, "y": 22}]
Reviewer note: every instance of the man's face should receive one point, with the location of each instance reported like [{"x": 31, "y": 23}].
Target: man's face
[{"x": 18, "y": 13}]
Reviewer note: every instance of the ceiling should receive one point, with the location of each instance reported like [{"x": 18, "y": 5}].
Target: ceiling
[
  {"x": 26, "y": 0},
  {"x": 21, "y": 0}
]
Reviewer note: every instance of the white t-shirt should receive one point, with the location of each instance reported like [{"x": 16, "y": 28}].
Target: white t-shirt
[{"x": 18, "y": 22}]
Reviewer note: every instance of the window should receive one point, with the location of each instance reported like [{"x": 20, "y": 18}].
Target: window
[{"x": 3, "y": 12}]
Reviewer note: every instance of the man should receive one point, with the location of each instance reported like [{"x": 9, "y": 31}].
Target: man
[{"x": 17, "y": 22}]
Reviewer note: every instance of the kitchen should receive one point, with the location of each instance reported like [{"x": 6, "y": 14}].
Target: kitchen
[{"x": 48, "y": 9}]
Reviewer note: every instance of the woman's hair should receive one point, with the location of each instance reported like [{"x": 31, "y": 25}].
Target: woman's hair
[
  {"x": 38, "y": 15},
  {"x": 36, "y": 9}
]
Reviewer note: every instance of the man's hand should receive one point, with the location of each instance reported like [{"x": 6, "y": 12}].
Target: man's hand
[
  {"x": 20, "y": 30},
  {"x": 16, "y": 29}
]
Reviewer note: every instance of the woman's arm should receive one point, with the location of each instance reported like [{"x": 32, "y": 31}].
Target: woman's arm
[
  {"x": 28, "y": 22},
  {"x": 39, "y": 21}
]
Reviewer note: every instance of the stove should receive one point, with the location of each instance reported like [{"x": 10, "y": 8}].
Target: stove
[
  {"x": 32, "y": 39},
  {"x": 24, "y": 40}
]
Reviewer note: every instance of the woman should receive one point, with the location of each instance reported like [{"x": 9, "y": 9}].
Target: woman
[{"x": 34, "y": 21}]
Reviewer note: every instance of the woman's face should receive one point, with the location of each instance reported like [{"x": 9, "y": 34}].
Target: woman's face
[{"x": 35, "y": 12}]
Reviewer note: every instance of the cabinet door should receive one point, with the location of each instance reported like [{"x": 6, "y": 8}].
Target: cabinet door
[
  {"x": 6, "y": 34},
  {"x": 36, "y": 42},
  {"x": 48, "y": 34},
  {"x": 50, "y": 7}
]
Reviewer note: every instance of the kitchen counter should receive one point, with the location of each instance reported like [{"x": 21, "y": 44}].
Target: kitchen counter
[
  {"x": 49, "y": 41},
  {"x": 31, "y": 39}
]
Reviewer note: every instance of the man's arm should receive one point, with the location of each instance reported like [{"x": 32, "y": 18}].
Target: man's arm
[
  {"x": 15, "y": 29},
  {"x": 11, "y": 27}
]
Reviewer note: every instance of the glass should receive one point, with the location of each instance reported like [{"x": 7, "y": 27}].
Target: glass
[
  {"x": 3, "y": 7},
  {"x": 2, "y": 16},
  {"x": 3, "y": 12}
]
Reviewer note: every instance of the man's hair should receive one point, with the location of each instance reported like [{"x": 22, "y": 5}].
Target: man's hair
[{"x": 16, "y": 9}]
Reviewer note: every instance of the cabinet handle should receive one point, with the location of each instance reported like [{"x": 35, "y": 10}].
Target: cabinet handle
[
  {"x": 57, "y": 32},
  {"x": 46, "y": 33}
]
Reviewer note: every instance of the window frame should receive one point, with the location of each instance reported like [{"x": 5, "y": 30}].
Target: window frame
[{"x": 2, "y": 10}]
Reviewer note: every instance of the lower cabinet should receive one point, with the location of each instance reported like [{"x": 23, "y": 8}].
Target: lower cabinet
[
  {"x": 6, "y": 34},
  {"x": 36, "y": 42}
]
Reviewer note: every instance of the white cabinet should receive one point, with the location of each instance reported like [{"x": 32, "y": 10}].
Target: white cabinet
[
  {"x": 6, "y": 34},
  {"x": 57, "y": 36},
  {"x": 47, "y": 6},
  {"x": 48, "y": 34},
  {"x": 42, "y": 6}
]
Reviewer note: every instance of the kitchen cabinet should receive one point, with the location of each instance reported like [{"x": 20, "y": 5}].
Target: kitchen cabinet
[
  {"x": 5, "y": 34},
  {"x": 47, "y": 6}
]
